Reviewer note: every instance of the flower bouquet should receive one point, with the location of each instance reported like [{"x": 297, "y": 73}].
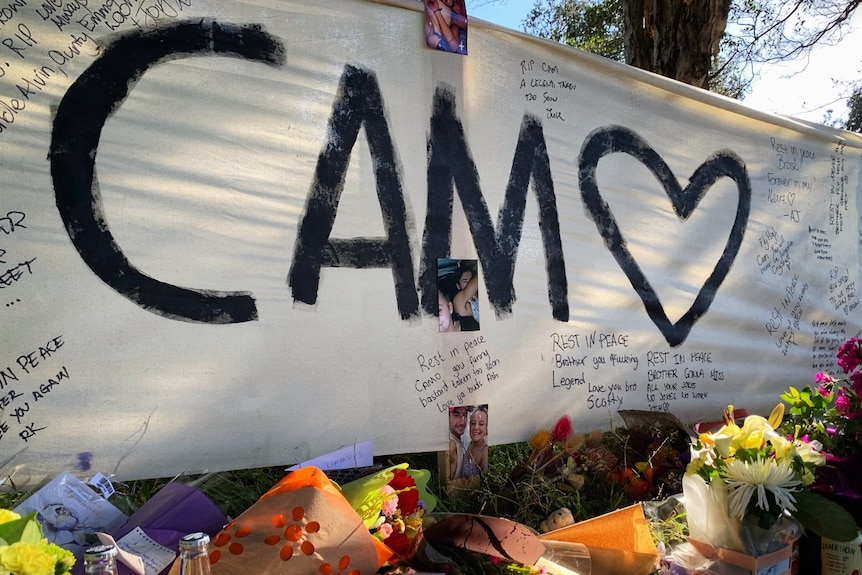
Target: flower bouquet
[
  {"x": 23, "y": 550},
  {"x": 747, "y": 488},
  {"x": 830, "y": 415},
  {"x": 391, "y": 504}
]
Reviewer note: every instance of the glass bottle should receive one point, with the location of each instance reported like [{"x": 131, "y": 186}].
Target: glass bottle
[
  {"x": 100, "y": 560},
  {"x": 194, "y": 557}
]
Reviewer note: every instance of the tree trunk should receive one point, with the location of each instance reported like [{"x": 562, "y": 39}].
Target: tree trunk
[{"x": 674, "y": 38}]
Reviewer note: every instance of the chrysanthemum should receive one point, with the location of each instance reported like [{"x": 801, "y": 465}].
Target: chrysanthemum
[{"x": 744, "y": 479}]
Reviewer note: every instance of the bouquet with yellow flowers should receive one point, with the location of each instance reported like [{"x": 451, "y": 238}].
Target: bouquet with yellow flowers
[
  {"x": 23, "y": 550},
  {"x": 747, "y": 488}
]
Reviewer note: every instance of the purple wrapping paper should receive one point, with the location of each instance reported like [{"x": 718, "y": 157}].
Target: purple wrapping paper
[{"x": 176, "y": 510}]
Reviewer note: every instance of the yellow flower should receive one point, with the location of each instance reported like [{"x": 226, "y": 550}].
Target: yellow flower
[
  {"x": 63, "y": 558},
  {"x": 776, "y": 416},
  {"x": 27, "y": 559},
  {"x": 7, "y": 515},
  {"x": 810, "y": 452},
  {"x": 753, "y": 434}
]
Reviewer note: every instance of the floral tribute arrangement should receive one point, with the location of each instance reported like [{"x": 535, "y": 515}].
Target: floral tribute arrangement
[
  {"x": 747, "y": 488},
  {"x": 543, "y": 482},
  {"x": 644, "y": 460},
  {"x": 23, "y": 550},
  {"x": 392, "y": 504},
  {"x": 830, "y": 415}
]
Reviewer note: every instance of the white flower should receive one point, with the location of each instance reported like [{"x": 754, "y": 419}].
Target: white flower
[{"x": 761, "y": 475}]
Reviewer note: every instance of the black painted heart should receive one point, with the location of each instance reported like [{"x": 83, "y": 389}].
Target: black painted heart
[{"x": 724, "y": 163}]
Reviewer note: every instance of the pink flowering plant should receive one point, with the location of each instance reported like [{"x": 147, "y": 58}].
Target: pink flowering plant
[{"x": 830, "y": 412}]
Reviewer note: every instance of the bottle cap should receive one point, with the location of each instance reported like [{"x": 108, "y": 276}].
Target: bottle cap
[
  {"x": 194, "y": 541},
  {"x": 100, "y": 552}
]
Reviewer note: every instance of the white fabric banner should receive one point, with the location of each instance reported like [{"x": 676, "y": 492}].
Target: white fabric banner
[{"x": 223, "y": 224}]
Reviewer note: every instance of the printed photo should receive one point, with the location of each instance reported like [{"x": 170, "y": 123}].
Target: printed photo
[
  {"x": 467, "y": 456},
  {"x": 457, "y": 295},
  {"x": 446, "y": 25}
]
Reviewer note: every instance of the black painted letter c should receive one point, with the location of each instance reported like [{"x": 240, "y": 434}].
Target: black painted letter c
[{"x": 77, "y": 127}]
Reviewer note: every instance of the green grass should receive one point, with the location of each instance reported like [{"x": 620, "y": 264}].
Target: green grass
[
  {"x": 508, "y": 489},
  {"x": 528, "y": 500}
]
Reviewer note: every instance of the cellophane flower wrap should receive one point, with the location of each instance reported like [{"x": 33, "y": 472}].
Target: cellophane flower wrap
[
  {"x": 747, "y": 487},
  {"x": 392, "y": 503},
  {"x": 23, "y": 550}
]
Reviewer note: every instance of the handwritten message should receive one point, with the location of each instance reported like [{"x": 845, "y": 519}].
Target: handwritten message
[
  {"x": 842, "y": 291},
  {"x": 662, "y": 378},
  {"x": 461, "y": 370},
  {"x": 783, "y": 323},
  {"x": 838, "y": 196},
  {"x": 14, "y": 267},
  {"x": 828, "y": 336},
  {"x": 774, "y": 254},
  {"x": 821, "y": 244},
  {"x": 787, "y": 180},
  {"x": 19, "y": 401},
  {"x": 39, "y": 43},
  {"x": 544, "y": 87}
]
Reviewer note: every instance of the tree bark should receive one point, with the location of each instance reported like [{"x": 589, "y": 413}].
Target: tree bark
[{"x": 675, "y": 38}]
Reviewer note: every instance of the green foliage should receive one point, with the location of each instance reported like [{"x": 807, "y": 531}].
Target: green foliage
[
  {"x": 757, "y": 32},
  {"x": 854, "y": 120},
  {"x": 824, "y": 517},
  {"x": 594, "y": 26},
  {"x": 23, "y": 529},
  {"x": 10, "y": 497},
  {"x": 813, "y": 413}
]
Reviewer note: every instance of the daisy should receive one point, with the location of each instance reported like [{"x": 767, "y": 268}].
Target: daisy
[{"x": 744, "y": 479}]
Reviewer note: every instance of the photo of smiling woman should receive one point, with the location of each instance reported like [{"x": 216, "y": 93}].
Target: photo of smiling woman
[{"x": 476, "y": 453}]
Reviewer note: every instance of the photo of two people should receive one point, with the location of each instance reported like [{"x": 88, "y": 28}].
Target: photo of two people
[
  {"x": 467, "y": 456},
  {"x": 457, "y": 295},
  {"x": 446, "y": 25}
]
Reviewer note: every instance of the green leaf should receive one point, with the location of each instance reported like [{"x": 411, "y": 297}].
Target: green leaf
[
  {"x": 26, "y": 529},
  {"x": 824, "y": 517}
]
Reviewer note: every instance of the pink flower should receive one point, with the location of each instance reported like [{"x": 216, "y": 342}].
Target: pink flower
[
  {"x": 390, "y": 500},
  {"x": 842, "y": 403},
  {"x": 847, "y": 405},
  {"x": 856, "y": 381},
  {"x": 385, "y": 530},
  {"x": 849, "y": 354}
]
